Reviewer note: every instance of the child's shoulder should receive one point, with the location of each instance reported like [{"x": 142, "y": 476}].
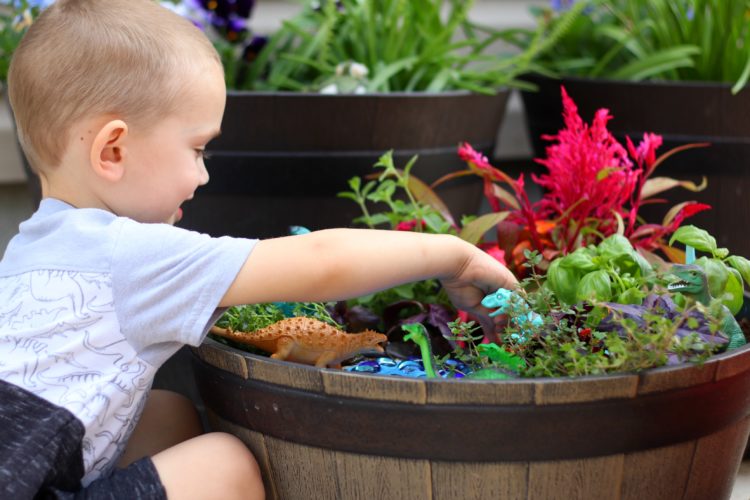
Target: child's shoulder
[{"x": 60, "y": 236}]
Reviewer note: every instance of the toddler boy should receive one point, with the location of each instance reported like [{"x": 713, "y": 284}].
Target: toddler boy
[{"x": 115, "y": 101}]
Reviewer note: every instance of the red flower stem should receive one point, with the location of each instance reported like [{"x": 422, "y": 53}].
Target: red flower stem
[{"x": 530, "y": 217}]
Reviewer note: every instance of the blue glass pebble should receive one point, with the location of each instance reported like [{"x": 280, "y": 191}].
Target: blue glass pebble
[
  {"x": 368, "y": 366},
  {"x": 408, "y": 367},
  {"x": 412, "y": 368},
  {"x": 387, "y": 362}
]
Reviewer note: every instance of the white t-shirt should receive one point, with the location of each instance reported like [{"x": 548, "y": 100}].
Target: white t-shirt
[{"x": 91, "y": 304}]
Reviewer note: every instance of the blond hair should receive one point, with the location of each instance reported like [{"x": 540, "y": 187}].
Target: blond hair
[{"x": 87, "y": 58}]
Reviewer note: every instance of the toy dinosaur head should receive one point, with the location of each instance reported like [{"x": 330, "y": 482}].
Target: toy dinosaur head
[
  {"x": 689, "y": 280},
  {"x": 368, "y": 342}
]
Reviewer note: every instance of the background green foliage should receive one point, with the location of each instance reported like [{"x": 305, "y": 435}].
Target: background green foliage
[
  {"x": 705, "y": 40},
  {"x": 407, "y": 45}
]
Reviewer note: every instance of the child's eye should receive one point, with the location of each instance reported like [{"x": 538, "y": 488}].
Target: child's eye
[{"x": 202, "y": 153}]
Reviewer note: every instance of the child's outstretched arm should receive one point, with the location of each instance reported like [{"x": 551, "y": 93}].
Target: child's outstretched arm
[{"x": 337, "y": 264}]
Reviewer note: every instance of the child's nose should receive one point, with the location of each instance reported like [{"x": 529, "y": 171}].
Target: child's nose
[{"x": 202, "y": 176}]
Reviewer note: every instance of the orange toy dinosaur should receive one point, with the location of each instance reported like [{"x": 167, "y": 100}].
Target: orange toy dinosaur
[{"x": 308, "y": 341}]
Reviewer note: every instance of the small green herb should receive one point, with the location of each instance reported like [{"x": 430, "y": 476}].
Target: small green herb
[{"x": 252, "y": 317}]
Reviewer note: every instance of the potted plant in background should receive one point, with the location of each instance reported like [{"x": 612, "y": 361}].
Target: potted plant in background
[
  {"x": 593, "y": 389},
  {"x": 415, "y": 77},
  {"x": 677, "y": 68},
  {"x": 394, "y": 65},
  {"x": 15, "y": 17}
]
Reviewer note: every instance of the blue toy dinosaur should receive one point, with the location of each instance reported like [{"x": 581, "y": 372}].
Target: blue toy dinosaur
[
  {"x": 693, "y": 282},
  {"x": 510, "y": 302}
]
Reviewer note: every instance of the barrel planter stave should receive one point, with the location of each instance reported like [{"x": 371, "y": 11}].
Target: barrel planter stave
[{"x": 665, "y": 433}]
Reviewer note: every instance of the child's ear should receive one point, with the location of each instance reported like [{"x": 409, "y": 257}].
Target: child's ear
[{"x": 107, "y": 150}]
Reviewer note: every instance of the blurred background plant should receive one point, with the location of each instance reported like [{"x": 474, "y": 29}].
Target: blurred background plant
[
  {"x": 15, "y": 17},
  {"x": 227, "y": 25},
  {"x": 226, "y": 22},
  {"x": 343, "y": 46},
  {"x": 385, "y": 46},
  {"x": 701, "y": 40}
]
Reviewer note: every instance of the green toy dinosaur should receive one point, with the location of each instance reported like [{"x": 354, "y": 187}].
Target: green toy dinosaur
[
  {"x": 693, "y": 282},
  {"x": 418, "y": 334}
]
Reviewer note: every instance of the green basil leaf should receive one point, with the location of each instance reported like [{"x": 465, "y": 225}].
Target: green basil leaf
[
  {"x": 717, "y": 273},
  {"x": 581, "y": 259},
  {"x": 645, "y": 268},
  {"x": 614, "y": 247},
  {"x": 631, "y": 296},
  {"x": 595, "y": 285},
  {"x": 742, "y": 265},
  {"x": 695, "y": 237},
  {"x": 733, "y": 297},
  {"x": 562, "y": 281}
]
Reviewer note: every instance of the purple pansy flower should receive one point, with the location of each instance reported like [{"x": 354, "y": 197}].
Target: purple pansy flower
[
  {"x": 560, "y": 5},
  {"x": 230, "y": 17}
]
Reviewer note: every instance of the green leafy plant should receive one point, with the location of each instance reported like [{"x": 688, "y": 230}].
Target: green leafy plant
[
  {"x": 403, "y": 202},
  {"x": 610, "y": 271},
  {"x": 705, "y": 40},
  {"x": 392, "y": 45},
  {"x": 395, "y": 199},
  {"x": 591, "y": 337},
  {"x": 252, "y": 317},
  {"x": 727, "y": 274}
]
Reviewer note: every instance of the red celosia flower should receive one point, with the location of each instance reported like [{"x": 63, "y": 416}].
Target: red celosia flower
[
  {"x": 590, "y": 175},
  {"x": 645, "y": 153},
  {"x": 525, "y": 213},
  {"x": 593, "y": 188}
]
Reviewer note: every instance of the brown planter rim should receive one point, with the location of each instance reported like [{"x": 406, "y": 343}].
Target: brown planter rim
[{"x": 643, "y": 83}]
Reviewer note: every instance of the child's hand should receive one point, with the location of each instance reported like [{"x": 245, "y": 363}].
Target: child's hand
[{"x": 480, "y": 275}]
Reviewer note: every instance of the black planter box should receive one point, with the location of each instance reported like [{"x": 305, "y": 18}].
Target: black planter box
[{"x": 282, "y": 157}]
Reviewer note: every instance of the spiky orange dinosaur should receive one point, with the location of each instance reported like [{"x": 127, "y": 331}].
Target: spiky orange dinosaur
[{"x": 307, "y": 340}]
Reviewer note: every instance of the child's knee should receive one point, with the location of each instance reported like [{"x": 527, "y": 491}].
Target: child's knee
[
  {"x": 214, "y": 465},
  {"x": 232, "y": 448},
  {"x": 236, "y": 461}
]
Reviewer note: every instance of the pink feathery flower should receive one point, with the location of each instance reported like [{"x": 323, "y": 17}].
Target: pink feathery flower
[
  {"x": 590, "y": 174},
  {"x": 645, "y": 153}
]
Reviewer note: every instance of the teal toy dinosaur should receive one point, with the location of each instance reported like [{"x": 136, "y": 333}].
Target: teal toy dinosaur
[
  {"x": 507, "y": 301},
  {"x": 693, "y": 282}
]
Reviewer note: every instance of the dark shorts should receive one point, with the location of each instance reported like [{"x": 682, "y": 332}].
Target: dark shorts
[
  {"x": 137, "y": 481},
  {"x": 41, "y": 456}
]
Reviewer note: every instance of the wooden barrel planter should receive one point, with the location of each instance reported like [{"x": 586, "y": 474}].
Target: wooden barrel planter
[
  {"x": 665, "y": 433},
  {"x": 283, "y": 156},
  {"x": 682, "y": 113}
]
